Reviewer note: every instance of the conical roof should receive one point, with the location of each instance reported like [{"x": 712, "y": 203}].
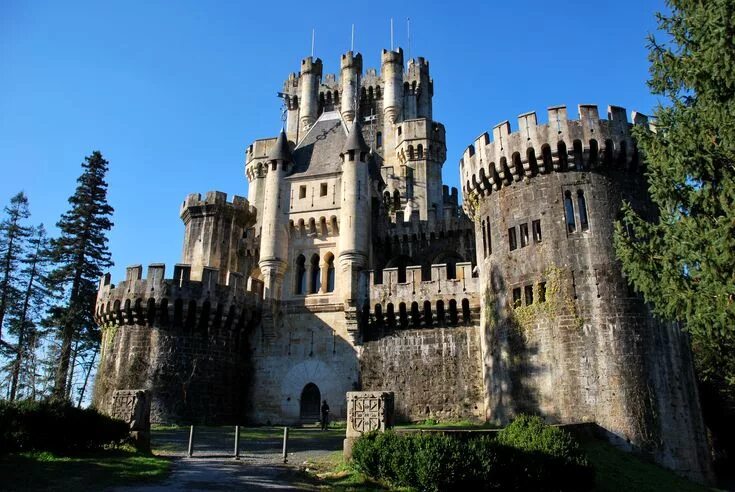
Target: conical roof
[
  {"x": 280, "y": 151},
  {"x": 354, "y": 139}
]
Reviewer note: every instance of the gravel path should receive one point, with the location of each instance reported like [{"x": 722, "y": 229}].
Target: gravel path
[{"x": 260, "y": 467}]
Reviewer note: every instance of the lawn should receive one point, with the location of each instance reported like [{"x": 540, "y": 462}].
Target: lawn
[{"x": 89, "y": 471}]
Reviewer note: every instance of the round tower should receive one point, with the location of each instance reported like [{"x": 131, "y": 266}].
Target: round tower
[
  {"x": 274, "y": 238},
  {"x": 420, "y": 90},
  {"x": 354, "y": 240},
  {"x": 351, "y": 67},
  {"x": 311, "y": 72},
  {"x": 564, "y": 335},
  {"x": 392, "y": 74}
]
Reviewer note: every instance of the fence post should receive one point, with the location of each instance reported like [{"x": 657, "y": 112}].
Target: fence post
[
  {"x": 237, "y": 442},
  {"x": 191, "y": 441},
  {"x": 285, "y": 444}
]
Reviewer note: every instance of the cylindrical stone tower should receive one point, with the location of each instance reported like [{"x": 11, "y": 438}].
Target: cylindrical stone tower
[
  {"x": 392, "y": 75},
  {"x": 311, "y": 73},
  {"x": 564, "y": 335},
  {"x": 274, "y": 238},
  {"x": 351, "y": 66}
]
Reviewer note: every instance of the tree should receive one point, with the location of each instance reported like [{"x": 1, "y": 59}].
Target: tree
[
  {"x": 684, "y": 262},
  {"x": 25, "y": 315},
  {"x": 81, "y": 254},
  {"x": 13, "y": 235}
]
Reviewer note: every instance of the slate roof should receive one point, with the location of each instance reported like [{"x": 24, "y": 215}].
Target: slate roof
[
  {"x": 318, "y": 152},
  {"x": 280, "y": 150}
]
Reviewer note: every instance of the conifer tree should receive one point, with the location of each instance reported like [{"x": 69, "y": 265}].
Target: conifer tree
[
  {"x": 684, "y": 262},
  {"x": 26, "y": 314},
  {"x": 13, "y": 234},
  {"x": 81, "y": 255}
]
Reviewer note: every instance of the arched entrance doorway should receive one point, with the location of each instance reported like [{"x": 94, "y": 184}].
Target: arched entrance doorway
[{"x": 310, "y": 402}]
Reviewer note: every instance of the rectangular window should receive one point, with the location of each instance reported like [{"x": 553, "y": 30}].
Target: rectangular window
[
  {"x": 528, "y": 291},
  {"x": 379, "y": 140},
  {"x": 302, "y": 192},
  {"x": 542, "y": 292},
  {"x": 536, "y": 226},
  {"x": 517, "y": 297},
  {"x": 323, "y": 189},
  {"x": 524, "y": 235},
  {"x": 512, "y": 241}
]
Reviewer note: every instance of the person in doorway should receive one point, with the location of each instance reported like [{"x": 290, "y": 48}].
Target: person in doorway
[{"x": 325, "y": 415}]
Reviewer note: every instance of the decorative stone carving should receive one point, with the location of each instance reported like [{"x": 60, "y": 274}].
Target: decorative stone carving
[
  {"x": 367, "y": 411},
  {"x": 134, "y": 407}
]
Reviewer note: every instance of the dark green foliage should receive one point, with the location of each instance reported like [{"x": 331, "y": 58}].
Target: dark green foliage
[
  {"x": 81, "y": 254},
  {"x": 684, "y": 262},
  {"x": 13, "y": 234},
  {"x": 57, "y": 427},
  {"x": 528, "y": 456}
]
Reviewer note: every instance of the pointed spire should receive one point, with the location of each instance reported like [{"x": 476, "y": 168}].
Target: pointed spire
[
  {"x": 280, "y": 151},
  {"x": 354, "y": 139}
]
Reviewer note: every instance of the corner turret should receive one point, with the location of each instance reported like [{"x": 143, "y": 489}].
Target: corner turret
[
  {"x": 351, "y": 69},
  {"x": 392, "y": 73},
  {"x": 311, "y": 73}
]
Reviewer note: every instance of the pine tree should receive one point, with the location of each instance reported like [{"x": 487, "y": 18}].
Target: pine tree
[
  {"x": 684, "y": 262},
  {"x": 13, "y": 235},
  {"x": 81, "y": 254},
  {"x": 24, "y": 320}
]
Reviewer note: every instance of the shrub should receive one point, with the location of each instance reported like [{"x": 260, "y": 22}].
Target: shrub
[
  {"x": 530, "y": 455},
  {"x": 56, "y": 427}
]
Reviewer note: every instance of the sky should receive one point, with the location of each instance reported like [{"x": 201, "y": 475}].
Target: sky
[{"x": 173, "y": 92}]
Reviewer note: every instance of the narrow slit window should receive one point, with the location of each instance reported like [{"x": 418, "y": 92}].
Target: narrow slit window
[
  {"x": 528, "y": 291},
  {"x": 517, "y": 297},
  {"x": 569, "y": 212},
  {"x": 489, "y": 239},
  {"x": 536, "y": 226},
  {"x": 512, "y": 240},
  {"x": 582, "y": 204},
  {"x": 484, "y": 240},
  {"x": 524, "y": 235}
]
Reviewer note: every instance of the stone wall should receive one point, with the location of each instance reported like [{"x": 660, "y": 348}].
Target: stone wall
[{"x": 434, "y": 373}]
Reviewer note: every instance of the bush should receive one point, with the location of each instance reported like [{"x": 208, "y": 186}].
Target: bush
[
  {"x": 56, "y": 427},
  {"x": 530, "y": 455}
]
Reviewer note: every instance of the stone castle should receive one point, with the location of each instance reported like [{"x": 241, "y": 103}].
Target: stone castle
[{"x": 351, "y": 266}]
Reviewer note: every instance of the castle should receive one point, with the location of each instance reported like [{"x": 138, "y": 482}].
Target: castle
[{"x": 351, "y": 266}]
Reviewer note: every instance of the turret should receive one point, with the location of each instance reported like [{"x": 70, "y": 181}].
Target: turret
[
  {"x": 392, "y": 74},
  {"x": 420, "y": 90},
  {"x": 351, "y": 66},
  {"x": 311, "y": 72},
  {"x": 354, "y": 240},
  {"x": 213, "y": 229},
  {"x": 274, "y": 238}
]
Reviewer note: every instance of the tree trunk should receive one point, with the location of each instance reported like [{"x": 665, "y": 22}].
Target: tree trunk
[
  {"x": 72, "y": 367},
  {"x": 22, "y": 326},
  {"x": 86, "y": 377},
  {"x": 67, "y": 336}
]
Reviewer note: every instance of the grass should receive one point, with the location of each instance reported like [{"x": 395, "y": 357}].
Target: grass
[
  {"x": 91, "y": 471},
  {"x": 332, "y": 473}
]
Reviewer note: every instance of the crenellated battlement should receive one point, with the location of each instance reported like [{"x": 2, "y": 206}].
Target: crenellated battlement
[
  {"x": 351, "y": 60},
  {"x": 310, "y": 65},
  {"x": 559, "y": 145},
  {"x": 216, "y": 198},
  {"x": 179, "y": 302},
  {"x": 420, "y": 139}
]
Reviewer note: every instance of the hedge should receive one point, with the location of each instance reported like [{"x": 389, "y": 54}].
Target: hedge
[
  {"x": 56, "y": 427},
  {"x": 527, "y": 455}
]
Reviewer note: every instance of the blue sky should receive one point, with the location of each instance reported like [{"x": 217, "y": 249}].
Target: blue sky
[{"x": 173, "y": 92}]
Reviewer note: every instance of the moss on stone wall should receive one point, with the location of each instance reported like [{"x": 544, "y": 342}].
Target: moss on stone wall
[{"x": 557, "y": 301}]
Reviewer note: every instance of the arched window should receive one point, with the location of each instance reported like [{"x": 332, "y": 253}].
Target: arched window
[
  {"x": 420, "y": 151},
  {"x": 561, "y": 150},
  {"x": 410, "y": 152},
  {"x": 403, "y": 315},
  {"x": 315, "y": 281},
  {"x": 330, "y": 272},
  {"x": 582, "y": 204},
  {"x": 453, "y": 319},
  {"x": 440, "y": 316},
  {"x": 569, "y": 212},
  {"x": 396, "y": 200},
  {"x": 301, "y": 275},
  {"x": 415, "y": 315},
  {"x": 390, "y": 315},
  {"x": 427, "y": 314},
  {"x": 466, "y": 314}
]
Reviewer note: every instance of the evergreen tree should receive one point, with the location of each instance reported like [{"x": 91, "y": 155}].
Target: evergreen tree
[
  {"x": 24, "y": 319},
  {"x": 13, "y": 235},
  {"x": 81, "y": 255},
  {"x": 684, "y": 262}
]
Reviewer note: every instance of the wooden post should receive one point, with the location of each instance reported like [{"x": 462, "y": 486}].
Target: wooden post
[
  {"x": 285, "y": 444},
  {"x": 237, "y": 442},
  {"x": 191, "y": 441}
]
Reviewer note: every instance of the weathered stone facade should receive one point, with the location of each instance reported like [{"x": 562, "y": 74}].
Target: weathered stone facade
[{"x": 352, "y": 267}]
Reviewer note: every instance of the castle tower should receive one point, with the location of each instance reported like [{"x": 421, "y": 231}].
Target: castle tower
[
  {"x": 351, "y": 66},
  {"x": 354, "y": 240},
  {"x": 274, "y": 238},
  {"x": 418, "y": 90},
  {"x": 311, "y": 72},
  {"x": 213, "y": 230},
  {"x": 392, "y": 74}
]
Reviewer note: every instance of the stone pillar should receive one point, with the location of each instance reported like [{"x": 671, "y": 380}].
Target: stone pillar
[
  {"x": 367, "y": 411},
  {"x": 134, "y": 408}
]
